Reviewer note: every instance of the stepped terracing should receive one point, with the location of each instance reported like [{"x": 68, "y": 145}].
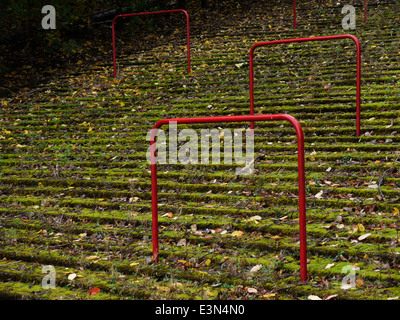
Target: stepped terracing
[{"x": 76, "y": 191}]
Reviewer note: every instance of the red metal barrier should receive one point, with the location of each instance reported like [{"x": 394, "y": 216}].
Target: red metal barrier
[
  {"x": 343, "y": 36},
  {"x": 149, "y": 13},
  {"x": 301, "y": 173}
]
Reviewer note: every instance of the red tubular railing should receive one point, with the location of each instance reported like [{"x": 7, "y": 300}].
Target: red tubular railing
[
  {"x": 301, "y": 173},
  {"x": 149, "y": 13},
  {"x": 334, "y": 37}
]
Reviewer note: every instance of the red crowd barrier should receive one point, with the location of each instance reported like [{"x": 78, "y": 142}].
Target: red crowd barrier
[
  {"x": 322, "y": 38},
  {"x": 252, "y": 118},
  {"x": 149, "y": 13}
]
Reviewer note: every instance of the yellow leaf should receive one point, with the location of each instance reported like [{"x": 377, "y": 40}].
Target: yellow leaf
[
  {"x": 92, "y": 258},
  {"x": 6, "y": 131},
  {"x": 237, "y": 234},
  {"x": 163, "y": 289},
  {"x": 395, "y": 210},
  {"x": 276, "y": 237},
  {"x": 208, "y": 262},
  {"x": 133, "y": 264},
  {"x": 223, "y": 259},
  {"x": 201, "y": 272},
  {"x": 360, "y": 227},
  {"x": 268, "y": 295},
  {"x": 210, "y": 293}
]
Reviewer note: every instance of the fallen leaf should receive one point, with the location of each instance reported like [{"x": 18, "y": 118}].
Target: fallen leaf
[
  {"x": 329, "y": 265},
  {"x": 255, "y": 268},
  {"x": 331, "y": 297},
  {"x": 134, "y": 199},
  {"x": 254, "y": 218},
  {"x": 268, "y": 295},
  {"x": 176, "y": 284},
  {"x": 362, "y": 237},
  {"x": 252, "y": 290},
  {"x": 312, "y": 297},
  {"x": 237, "y": 234},
  {"x": 223, "y": 259},
  {"x": 319, "y": 194},
  {"x": 391, "y": 124},
  {"x": 169, "y": 215},
  {"x": 276, "y": 237},
  {"x": 93, "y": 291},
  {"x": 360, "y": 227},
  {"x": 92, "y": 258},
  {"x": 72, "y": 276}
]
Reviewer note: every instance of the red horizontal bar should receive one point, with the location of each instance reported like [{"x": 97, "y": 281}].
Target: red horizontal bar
[{"x": 252, "y": 118}]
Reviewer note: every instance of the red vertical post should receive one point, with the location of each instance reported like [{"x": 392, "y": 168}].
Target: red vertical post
[
  {"x": 251, "y": 118},
  {"x": 154, "y": 196},
  {"x": 322, "y": 38},
  {"x": 150, "y": 13},
  {"x": 302, "y": 197},
  {"x": 188, "y": 41}
]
